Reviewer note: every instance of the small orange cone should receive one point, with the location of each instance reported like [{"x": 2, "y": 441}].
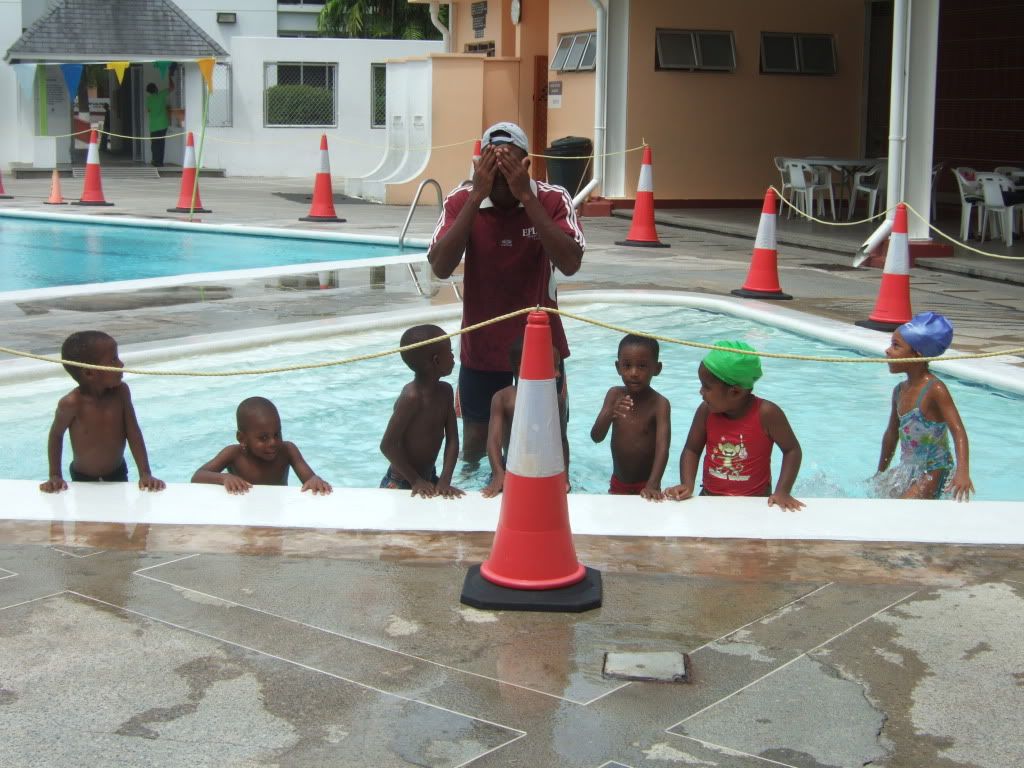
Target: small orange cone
[
  {"x": 322, "y": 208},
  {"x": 892, "y": 308},
  {"x": 55, "y": 198},
  {"x": 533, "y": 564},
  {"x": 3, "y": 194},
  {"x": 476, "y": 157},
  {"x": 642, "y": 231},
  {"x": 188, "y": 181},
  {"x": 92, "y": 189},
  {"x": 763, "y": 278}
]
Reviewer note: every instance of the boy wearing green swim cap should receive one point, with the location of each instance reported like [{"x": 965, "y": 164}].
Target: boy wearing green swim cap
[{"x": 735, "y": 430}]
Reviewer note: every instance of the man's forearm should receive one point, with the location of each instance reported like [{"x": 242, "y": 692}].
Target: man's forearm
[
  {"x": 564, "y": 252},
  {"x": 447, "y": 252}
]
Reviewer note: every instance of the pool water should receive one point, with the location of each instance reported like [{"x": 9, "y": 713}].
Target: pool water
[
  {"x": 337, "y": 415},
  {"x": 43, "y": 253}
]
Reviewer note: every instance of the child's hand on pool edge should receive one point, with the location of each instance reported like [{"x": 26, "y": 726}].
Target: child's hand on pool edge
[
  {"x": 448, "y": 491},
  {"x": 960, "y": 485},
  {"x": 150, "y": 483},
  {"x": 679, "y": 492},
  {"x": 54, "y": 485},
  {"x": 317, "y": 485},
  {"x": 784, "y": 500}
]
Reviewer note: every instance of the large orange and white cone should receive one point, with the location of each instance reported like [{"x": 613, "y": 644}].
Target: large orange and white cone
[
  {"x": 188, "y": 182},
  {"x": 892, "y": 308},
  {"x": 533, "y": 564},
  {"x": 3, "y": 194},
  {"x": 55, "y": 198},
  {"x": 763, "y": 278},
  {"x": 322, "y": 208},
  {"x": 92, "y": 189},
  {"x": 476, "y": 158},
  {"x": 642, "y": 231}
]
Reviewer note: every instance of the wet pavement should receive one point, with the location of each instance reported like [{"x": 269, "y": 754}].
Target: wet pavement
[{"x": 226, "y": 646}]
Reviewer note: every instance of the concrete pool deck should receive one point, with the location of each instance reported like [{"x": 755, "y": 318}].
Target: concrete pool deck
[{"x": 159, "y": 643}]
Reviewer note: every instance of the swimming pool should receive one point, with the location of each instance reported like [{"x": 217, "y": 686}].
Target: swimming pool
[
  {"x": 45, "y": 256},
  {"x": 337, "y": 415}
]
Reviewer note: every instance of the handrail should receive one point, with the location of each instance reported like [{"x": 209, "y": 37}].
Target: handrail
[
  {"x": 408, "y": 219},
  {"x": 415, "y": 202}
]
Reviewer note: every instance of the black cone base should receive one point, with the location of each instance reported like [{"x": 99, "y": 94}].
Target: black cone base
[
  {"x": 744, "y": 293},
  {"x": 321, "y": 218},
  {"x": 581, "y": 596},
  {"x": 876, "y": 325},
  {"x": 643, "y": 243}
]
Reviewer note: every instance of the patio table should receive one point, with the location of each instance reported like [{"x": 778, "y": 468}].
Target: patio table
[{"x": 847, "y": 167}]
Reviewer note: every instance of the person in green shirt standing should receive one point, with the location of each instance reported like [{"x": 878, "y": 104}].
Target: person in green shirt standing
[{"x": 159, "y": 119}]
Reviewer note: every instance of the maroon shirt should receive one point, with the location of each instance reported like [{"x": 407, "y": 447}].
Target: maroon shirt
[{"x": 506, "y": 269}]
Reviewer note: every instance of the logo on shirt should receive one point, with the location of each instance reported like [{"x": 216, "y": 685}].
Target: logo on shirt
[
  {"x": 530, "y": 232},
  {"x": 506, "y": 243},
  {"x": 727, "y": 461}
]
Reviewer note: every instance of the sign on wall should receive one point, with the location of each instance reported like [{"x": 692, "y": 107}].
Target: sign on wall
[{"x": 554, "y": 94}]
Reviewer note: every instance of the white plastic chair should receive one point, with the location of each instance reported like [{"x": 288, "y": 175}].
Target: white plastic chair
[
  {"x": 786, "y": 188},
  {"x": 1013, "y": 173},
  {"x": 823, "y": 179},
  {"x": 970, "y": 196},
  {"x": 870, "y": 183},
  {"x": 803, "y": 180},
  {"x": 992, "y": 186}
]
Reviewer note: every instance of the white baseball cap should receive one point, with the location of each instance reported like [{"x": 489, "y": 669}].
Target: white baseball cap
[{"x": 505, "y": 133}]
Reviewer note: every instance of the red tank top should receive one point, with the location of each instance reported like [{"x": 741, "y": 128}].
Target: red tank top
[{"x": 737, "y": 457}]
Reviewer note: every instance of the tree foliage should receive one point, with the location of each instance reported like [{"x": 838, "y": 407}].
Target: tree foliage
[{"x": 383, "y": 19}]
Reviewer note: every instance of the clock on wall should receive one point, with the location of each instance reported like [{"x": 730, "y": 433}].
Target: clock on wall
[{"x": 516, "y": 11}]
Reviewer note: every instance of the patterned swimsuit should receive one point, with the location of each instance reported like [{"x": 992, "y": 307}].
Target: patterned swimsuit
[{"x": 924, "y": 444}]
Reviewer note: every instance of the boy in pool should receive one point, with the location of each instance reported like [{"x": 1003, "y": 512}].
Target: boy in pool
[
  {"x": 923, "y": 414},
  {"x": 639, "y": 418},
  {"x": 261, "y": 456},
  {"x": 736, "y": 431},
  {"x": 423, "y": 419},
  {"x": 499, "y": 426},
  {"x": 100, "y": 417}
]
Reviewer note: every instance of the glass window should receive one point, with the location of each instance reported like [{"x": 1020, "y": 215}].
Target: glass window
[
  {"x": 675, "y": 49},
  {"x": 579, "y": 44},
  {"x": 793, "y": 53},
  {"x": 817, "y": 55},
  {"x": 564, "y": 44},
  {"x": 694, "y": 50},
  {"x": 716, "y": 51}
]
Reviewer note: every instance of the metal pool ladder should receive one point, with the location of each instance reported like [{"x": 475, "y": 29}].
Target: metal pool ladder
[{"x": 405, "y": 229}]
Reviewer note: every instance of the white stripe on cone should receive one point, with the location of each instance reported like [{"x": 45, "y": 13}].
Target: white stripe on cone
[
  {"x": 325, "y": 162},
  {"x": 190, "y": 154},
  {"x": 897, "y": 260},
  {"x": 535, "y": 442},
  {"x": 646, "y": 183},
  {"x": 93, "y": 157},
  {"x": 766, "y": 232}
]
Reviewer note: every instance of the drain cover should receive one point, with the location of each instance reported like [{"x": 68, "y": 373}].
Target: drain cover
[
  {"x": 655, "y": 666},
  {"x": 830, "y": 267}
]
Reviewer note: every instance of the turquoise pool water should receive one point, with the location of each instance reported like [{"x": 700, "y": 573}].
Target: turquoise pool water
[
  {"x": 337, "y": 415},
  {"x": 41, "y": 253}
]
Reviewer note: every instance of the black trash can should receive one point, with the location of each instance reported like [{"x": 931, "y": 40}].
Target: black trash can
[{"x": 570, "y": 163}]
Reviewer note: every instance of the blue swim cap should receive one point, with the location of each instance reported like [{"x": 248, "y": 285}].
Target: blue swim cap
[{"x": 929, "y": 333}]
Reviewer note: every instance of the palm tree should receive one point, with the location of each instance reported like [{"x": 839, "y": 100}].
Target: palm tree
[{"x": 390, "y": 19}]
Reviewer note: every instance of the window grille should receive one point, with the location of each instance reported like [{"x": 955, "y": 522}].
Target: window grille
[
  {"x": 219, "y": 114},
  {"x": 378, "y": 95},
  {"x": 302, "y": 94}
]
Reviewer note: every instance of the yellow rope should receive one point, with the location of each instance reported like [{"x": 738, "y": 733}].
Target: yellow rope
[
  {"x": 960, "y": 243},
  {"x": 823, "y": 221},
  {"x": 501, "y": 318}
]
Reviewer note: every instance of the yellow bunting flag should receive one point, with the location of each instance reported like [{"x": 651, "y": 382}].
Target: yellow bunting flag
[
  {"x": 206, "y": 67},
  {"x": 119, "y": 67}
]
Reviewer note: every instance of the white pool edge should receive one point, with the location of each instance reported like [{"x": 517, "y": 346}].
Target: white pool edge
[
  {"x": 373, "y": 509},
  {"x": 120, "y": 286}
]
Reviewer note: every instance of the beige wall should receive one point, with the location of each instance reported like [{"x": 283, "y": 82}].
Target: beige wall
[
  {"x": 714, "y": 135},
  {"x": 576, "y": 115}
]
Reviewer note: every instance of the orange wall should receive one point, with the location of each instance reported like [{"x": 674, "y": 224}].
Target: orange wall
[
  {"x": 501, "y": 91},
  {"x": 714, "y": 134}
]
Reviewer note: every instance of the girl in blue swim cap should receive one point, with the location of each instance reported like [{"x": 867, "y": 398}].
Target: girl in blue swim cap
[{"x": 922, "y": 418}]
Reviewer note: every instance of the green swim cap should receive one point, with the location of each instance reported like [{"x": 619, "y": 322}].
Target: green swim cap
[{"x": 736, "y": 370}]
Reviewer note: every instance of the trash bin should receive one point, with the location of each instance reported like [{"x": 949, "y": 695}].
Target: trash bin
[{"x": 570, "y": 163}]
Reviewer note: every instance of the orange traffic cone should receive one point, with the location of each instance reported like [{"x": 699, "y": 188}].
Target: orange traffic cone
[
  {"x": 55, "y": 198},
  {"x": 3, "y": 194},
  {"x": 92, "y": 189},
  {"x": 763, "y": 278},
  {"x": 533, "y": 564},
  {"x": 892, "y": 308},
  {"x": 322, "y": 208},
  {"x": 476, "y": 157},
  {"x": 642, "y": 231},
  {"x": 188, "y": 181}
]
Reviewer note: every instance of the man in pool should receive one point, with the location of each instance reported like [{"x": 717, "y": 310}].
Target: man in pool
[
  {"x": 423, "y": 419},
  {"x": 100, "y": 417},
  {"x": 261, "y": 456},
  {"x": 515, "y": 232}
]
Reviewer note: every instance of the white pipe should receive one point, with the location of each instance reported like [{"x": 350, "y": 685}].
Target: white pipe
[
  {"x": 435, "y": 19},
  {"x": 600, "y": 92},
  {"x": 898, "y": 101},
  {"x": 581, "y": 196}
]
